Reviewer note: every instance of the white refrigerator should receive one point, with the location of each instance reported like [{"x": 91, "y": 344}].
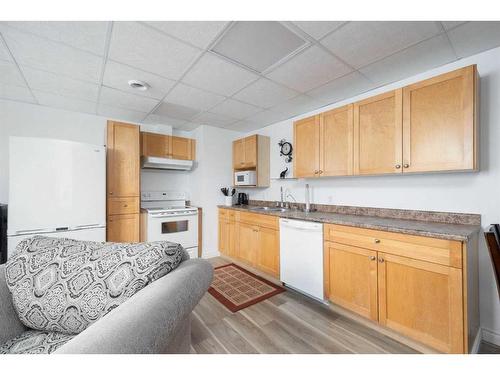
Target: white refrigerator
[{"x": 56, "y": 188}]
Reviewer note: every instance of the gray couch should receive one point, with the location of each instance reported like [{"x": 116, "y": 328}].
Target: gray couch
[{"x": 157, "y": 319}]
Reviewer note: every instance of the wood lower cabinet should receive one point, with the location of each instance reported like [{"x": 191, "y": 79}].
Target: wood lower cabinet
[
  {"x": 351, "y": 279},
  {"x": 418, "y": 286},
  {"x": 122, "y": 180},
  {"x": 422, "y": 300},
  {"x": 123, "y": 228},
  {"x": 252, "y": 239},
  {"x": 378, "y": 134}
]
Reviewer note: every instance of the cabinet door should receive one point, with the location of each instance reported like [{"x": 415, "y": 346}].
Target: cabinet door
[
  {"x": 247, "y": 244},
  {"x": 268, "y": 251},
  {"x": 306, "y": 133},
  {"x": 231, "y": 238},
  {"x": 378, "y": 134},
  {"x": 422, "y": 300},
  {"x": 336, "y": 142},
  {"x": 157, "y": 145},
  {"x": 182, "y": 148},
  {"x": 239, "y": 154},
  {"x": 123, "y": 166},
  {"x": 123, "y": 228},
  {"x": 250, "y": 146},
  {"x": 439, "y": 123},
  {"x": 351, "y": 274},
  {"x": 223, "y": 236}
]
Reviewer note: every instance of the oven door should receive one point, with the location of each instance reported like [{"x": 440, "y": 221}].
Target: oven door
[{"x": 181, "y": 229}]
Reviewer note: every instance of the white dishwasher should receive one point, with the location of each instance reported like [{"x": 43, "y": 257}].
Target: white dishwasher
[{"x": 301, "y": 256}]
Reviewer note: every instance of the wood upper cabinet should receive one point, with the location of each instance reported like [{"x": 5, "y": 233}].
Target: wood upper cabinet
[
  {"x": 123, "y": 228},
  {"x": 336, "y": 142},
  {"x": 351, "y": 278},
  {"x": 378, "y": 134},
  {"x": 166, "y": 146},
  {"x": 439, "y": 123},
  {"x": 245, "y": 152},
  {"x": 422, "y": 300},
  {"x": 268, "y": 251},
  {"x": 157, "y": 145},
  {"x": 123, "y": 161},
  {"x": 183, "y": 148},
  {"x": 306, "y": 134}
]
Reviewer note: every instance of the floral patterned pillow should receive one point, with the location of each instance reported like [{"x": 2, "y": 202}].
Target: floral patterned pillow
[{"x": 65, "y": 285}]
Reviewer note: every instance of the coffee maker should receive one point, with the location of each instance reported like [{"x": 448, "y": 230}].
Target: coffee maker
[{"x": 242, "y": 199}]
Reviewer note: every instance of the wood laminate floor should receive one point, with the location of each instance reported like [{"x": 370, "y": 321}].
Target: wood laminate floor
[{"x": 286, "y": 323}]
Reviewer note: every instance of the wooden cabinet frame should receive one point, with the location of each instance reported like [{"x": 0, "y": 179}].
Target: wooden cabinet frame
[{"x": 252, "y": 153}]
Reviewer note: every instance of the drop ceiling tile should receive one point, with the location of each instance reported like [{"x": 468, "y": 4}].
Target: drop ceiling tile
[
  {"x": 318, "y": 29},
  {"x": 214, "y": 119},
  {"x": 163, "y": 120},
  {"x": 419, "y": 58},
  {"x": 474, "y": 37},
  {"x": 117, "y": 76},
  {"x": 267, "y": 117},
  {"x": 176, "y": 111},
  {"x": 10, "y": 74},
  {"x": 86, "y": 35},
  {"x": 344, "y": 87},
  {"x": 198, "y": 33},
  {"x": 361, "y": 43},
  {"x": 448, "y": 25},
  {"x": 193, "y": 97},
  {"x": 309, "y": 69},
  {"x": 4, "y": 53},
  {"x": 297, "y": 106},
  {"x": 245, "y": 126},
  {"x": 16, "y": 93},
  {"x": 59, "y": 85},
  {"x": 214, "y": 74},
  {"x": 235, "y": 109},
  {"x": 150, "y": 50},
  {"x": 61, "y": 102},
  {"x": 125, "y": 100},
  {"x": 265, "y": 93},
  {"x": 120, "y": 113},
  {"x": 258, "y": 44},
  {"x": 43, "y": 54}
]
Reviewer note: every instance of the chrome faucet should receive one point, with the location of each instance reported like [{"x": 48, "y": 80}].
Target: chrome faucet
[{"x": 282, "y": 202}]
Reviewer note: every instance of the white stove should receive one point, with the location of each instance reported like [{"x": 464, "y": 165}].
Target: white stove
[{"x": 165, "y": 217}]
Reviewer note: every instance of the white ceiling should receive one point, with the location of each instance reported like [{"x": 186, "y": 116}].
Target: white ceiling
[{"x": 236, "y": 75}]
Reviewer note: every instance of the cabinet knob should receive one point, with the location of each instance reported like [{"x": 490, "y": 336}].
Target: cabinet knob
[
  {"x": 110, "y": 193},
  {"x": 320, "y": 171},
  {"x": 316, "y": 172},
  {"x": 381, "y": 260},
  {"x": 376, "y": 240},
  {"x": 406, "y": 165},
  {"x": 372, "y": 258},
  {"x": 398, "y": 166},
  {"x": 125, "y": 205}
]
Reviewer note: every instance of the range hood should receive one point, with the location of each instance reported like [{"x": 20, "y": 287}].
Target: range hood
[{"x": 150, "y": 162}]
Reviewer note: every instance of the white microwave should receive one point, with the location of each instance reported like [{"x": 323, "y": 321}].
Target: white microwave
[{"x": 242, "y": 178}]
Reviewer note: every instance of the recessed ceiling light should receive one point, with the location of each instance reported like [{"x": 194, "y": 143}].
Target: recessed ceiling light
[{"x": 138, "y": 85}]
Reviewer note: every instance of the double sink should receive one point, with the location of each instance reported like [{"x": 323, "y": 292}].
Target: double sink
[{"x": 269, "y": 209}]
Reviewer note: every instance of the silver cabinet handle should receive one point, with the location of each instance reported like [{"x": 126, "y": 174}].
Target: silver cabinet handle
[
  {"x": 398, "y": 166},
  {"x": 381, "y": 260},
  {"x": 376, "y": 240},
  {"x": 406, "y": 165},
  {"x": 372, "y": 258}
]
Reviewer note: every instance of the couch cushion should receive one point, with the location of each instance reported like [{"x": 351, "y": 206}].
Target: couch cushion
[
  {"x": 35, "y": 342},
  {"x": 64, "y": 285}
]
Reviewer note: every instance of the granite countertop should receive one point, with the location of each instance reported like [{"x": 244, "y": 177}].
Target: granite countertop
[{"x": 448, "y": 231}]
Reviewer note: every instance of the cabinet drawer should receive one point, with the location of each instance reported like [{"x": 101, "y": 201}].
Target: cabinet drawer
[
  {"x": 445, "y": 252},
  {"x": 222, "y": 213},
  {"x": 119, "y": 206},
  {"x": 259, "y": 220}
]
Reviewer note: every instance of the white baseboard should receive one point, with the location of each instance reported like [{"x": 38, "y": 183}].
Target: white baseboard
[
  {"x": 477, "y": 342},
  {"x": 490, "y": 336},
  {"x": 211, "y": 254}
]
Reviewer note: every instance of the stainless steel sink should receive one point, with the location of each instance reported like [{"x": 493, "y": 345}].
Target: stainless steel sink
[{"x": 269, "y": 209}]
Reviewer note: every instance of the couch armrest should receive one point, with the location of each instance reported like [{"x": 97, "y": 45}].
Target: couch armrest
[
  {"x": 149, "y": 320},
  {"x": 10, "y": 325}
]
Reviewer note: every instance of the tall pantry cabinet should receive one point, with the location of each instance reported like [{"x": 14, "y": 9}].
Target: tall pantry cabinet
[{"x": 122, "y": 182}]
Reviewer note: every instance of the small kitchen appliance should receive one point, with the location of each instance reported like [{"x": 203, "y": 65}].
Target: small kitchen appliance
[
  {"x": 245, "y": 178},
  {"x": 242, "y": 199}
]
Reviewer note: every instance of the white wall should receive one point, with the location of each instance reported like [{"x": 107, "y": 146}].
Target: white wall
[
  {"x": 456, "y": 192},
  {"x": 213, "y": 171}
]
